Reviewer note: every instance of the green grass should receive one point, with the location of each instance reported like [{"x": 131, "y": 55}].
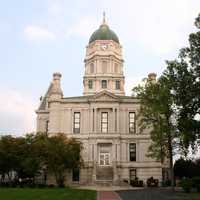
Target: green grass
[{"x": 46, "y": 194}]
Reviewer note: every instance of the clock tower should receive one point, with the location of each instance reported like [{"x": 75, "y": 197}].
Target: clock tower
[{"x": 103, "y": 63}]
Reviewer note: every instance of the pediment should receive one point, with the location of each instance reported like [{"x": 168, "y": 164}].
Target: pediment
[{"x": 104, "y": 96}]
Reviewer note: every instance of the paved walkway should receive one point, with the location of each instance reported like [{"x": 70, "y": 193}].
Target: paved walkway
[
  {"x": 107, "y": 188},
  {"x": 107, "y": 195}
]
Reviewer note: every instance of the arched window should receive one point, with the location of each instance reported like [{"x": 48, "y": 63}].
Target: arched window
[
  {"x": 104, "y": 66},
  {"x": 92, "y": 68}
]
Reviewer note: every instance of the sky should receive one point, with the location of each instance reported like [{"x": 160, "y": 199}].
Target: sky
[{"x": 40, "y": 37}]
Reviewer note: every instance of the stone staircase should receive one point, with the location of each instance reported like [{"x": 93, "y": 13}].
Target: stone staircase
[{"x": 104, "y": 174}]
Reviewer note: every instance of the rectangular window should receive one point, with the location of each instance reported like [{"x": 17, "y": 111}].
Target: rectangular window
[
  {"x": 90, "y": 84},
  {"x": 104, "y": 84},
  {"x": 77, "y": 121},
  {"x": 132, "y": 122},
  {"x": 132, "y": 151},
  {"x": 104, "y": 122},
  {"x": 117, "y": 86},
  {"x": 132, "y": 174}
]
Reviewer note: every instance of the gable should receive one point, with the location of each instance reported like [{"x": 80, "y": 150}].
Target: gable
[{"x": 104, "y": 96}]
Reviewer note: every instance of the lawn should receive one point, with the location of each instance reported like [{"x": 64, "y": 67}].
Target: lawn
[{"x": 46, "y": 194}]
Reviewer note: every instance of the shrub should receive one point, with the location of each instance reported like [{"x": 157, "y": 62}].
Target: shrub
[
  {"x": 186, "y": 184},
  {"x": 166, "y": 183},
  {"x": 196, "y": 183},
  {"x": 51, "y": 185},
  {"x": 125, "y": 180},
  {"x": 151, "y": 182},
  {"x": 136, "y": 183}
]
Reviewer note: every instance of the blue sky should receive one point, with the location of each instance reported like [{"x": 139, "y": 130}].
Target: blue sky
[{"x": 39, "y": 37}]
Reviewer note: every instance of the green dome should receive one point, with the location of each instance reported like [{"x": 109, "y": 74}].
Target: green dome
[{"x": 103, "y": 33}]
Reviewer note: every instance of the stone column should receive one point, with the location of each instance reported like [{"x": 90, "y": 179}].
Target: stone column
[
  {"x": 95, "y": 120},
  {"x": 95, "y": 160},
  {"x": 115, "y": 171},
  {"x": 113, "y": 120},
  {"x": 118, "y": 127}
]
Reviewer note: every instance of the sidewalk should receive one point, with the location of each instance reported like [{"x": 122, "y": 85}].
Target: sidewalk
[
  {"x": 107, "y": 195},
  {"x": 107, "y": 188}
]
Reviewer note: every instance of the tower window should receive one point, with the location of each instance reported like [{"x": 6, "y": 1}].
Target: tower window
[
  {"x": 92, "y": 68},
  {"x": 132, "y": 151},
  {"x": 104, "y": 122},
  {"x": 77, "y": 116},
  {"x": 117, "y": 85},
  {"x": 104, "y": 84},
  {"x": 104, "y": 66},
  {"x": 131, "y": 122},
  {"x": 90, "y": 84}
]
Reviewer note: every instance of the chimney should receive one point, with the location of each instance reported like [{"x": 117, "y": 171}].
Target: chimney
[
  {"x": 152, "y": 77},
  {"x": 56, "y": 89}
]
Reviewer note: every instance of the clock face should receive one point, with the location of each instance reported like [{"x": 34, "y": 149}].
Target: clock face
[{"x": 104, "y": 47}]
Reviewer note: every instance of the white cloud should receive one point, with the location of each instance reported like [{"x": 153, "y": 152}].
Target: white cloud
[
  {"x": 17, "y": 112},
  {"x": 83, "y": 28},
  {"x": 131, "y": 82},
  {"x": 33, "y": 32},
  {"x": 157, "y": 25}
]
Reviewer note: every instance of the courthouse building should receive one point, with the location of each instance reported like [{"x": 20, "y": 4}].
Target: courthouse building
[{"x": 104, "y": 119}]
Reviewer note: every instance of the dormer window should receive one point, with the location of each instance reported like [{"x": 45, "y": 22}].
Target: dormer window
[{"x": 104, "y": 84}]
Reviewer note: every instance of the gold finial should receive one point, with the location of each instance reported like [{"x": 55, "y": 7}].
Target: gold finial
[{"x": 104, "y": 17}]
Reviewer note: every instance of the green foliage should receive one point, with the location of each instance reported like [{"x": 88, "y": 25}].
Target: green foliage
[
  {"x": 47, "y": 193},
  {"x": 62, "y": 154},
  {"x": 136, "y": 183},
  {"x": 169, "y": 106},
  {"x": 196, "y": 183},
  {"x": 156, "y": 112},
  {"x": 186, "y": 184},
  {"x": 30, "y": 155},
  {"x": 151, "y": 182},
  {"x": 186, "y": 168}
]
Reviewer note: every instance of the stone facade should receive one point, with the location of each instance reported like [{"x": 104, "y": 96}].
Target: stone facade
[{"x": 103, "y": 119}]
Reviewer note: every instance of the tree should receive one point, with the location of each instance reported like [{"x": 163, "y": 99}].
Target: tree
[
  {"x": 170, "y": 105},
  {"x": 184, "y": 76},
  {"x": 29, "y": 156},
  {"x": 156, "y": 114},
  {"x": 7, "y": 158},
  {"x": 186, "y": 168},
  {"x": 62, "y": 154}
]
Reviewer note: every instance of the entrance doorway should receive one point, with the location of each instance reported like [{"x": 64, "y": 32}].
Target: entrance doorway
[{"x": 75, "y": 175}]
